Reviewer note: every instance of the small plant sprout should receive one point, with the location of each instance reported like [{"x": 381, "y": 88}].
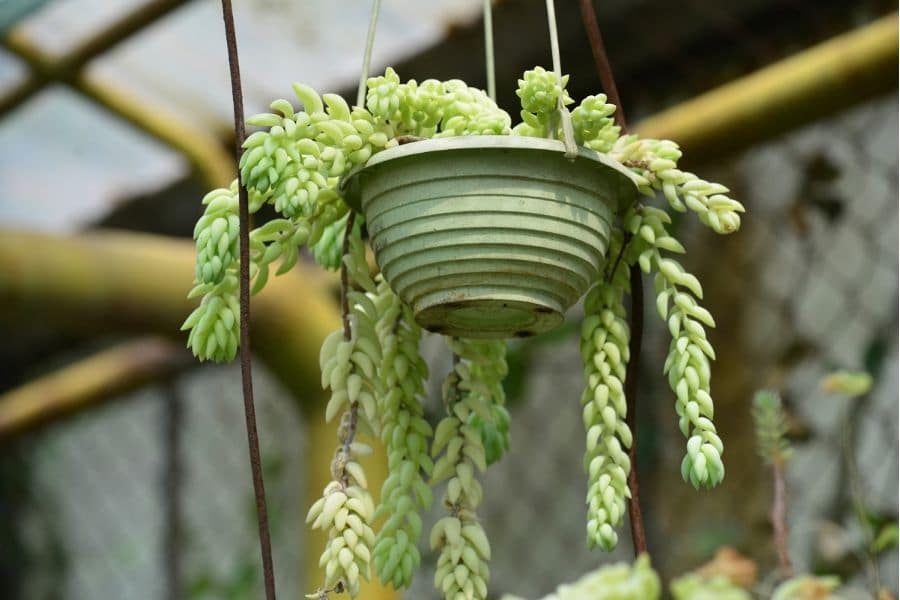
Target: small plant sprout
[{"x": 771, "y": 426}]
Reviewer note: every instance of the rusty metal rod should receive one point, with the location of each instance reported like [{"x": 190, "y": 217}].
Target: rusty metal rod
[
  {"x": 259, "y": 488},
  {"x": 808, "y": 86}
]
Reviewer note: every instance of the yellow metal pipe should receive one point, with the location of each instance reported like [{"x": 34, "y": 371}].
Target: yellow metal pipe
[
  {"x": 137, "y": 282},
  {"x": 803, "y": 88},
  {"x": 205, "y": 153},
  {"x": 203, "y": 150},
  {"x": 89, "y": 382}
]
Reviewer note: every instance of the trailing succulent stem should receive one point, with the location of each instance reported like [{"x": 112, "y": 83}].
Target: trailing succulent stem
[
  {"x": 605, "y": 354},
  {"x": 406, "y": 435},
  {"x": 656, "y": 164},
  {"x": 470, "y": 389},
  {"x": 350, "y": 357},
  {"x": 688, "y": 362}
]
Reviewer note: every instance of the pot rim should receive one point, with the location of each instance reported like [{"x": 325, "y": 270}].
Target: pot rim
[{"x": 349, "y": 185}]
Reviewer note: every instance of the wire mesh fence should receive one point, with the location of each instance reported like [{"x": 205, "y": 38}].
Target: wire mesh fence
[{"x": 153, "y": 494}]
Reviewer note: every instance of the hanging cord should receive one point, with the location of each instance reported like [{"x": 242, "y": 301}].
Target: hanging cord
[
  {"x": 259, "y": 490},
  {"x": 638, "y": 535},
  {"x": 565, "y": 119},
  {"x": 489, "y": 51},
  {"x": 367, "y": 56}
]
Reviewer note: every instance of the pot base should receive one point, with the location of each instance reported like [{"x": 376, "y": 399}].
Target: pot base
[{"x": 488, "y": 317}]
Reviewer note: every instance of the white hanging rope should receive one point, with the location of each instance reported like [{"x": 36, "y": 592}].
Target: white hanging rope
[
  {"x": 564, "y": 116},
  {"x": 367, "y": 57},
  {"x": 489, "y": 51},
  {"x": 554, "y": 38}
]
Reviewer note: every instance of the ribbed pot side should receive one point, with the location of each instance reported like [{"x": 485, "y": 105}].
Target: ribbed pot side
[{"x": 489, "y": 237}]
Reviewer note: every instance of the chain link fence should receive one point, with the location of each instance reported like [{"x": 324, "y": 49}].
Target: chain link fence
[{"x": 153, "y": 494}]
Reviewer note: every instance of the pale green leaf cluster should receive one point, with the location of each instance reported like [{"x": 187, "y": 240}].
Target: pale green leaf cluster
[
  {"x": 328, "y": 250},
  {"x": 216, "y": 234},
  {"x": 594, "y": 125},
  {"x": 489, "y": 371},
  {"x": 613, "y": 582},
  {"x": 345, "y": 513},
  {"x": 494, "y": 432},
  {"x": 434, "y": 108},
  {"x": 295, "y": 165},
  {"x": 471, "y": 388},
  {"x": 541, "y": 92},
  {"x": 214, "y": 325},
  {"x": 605, "y": 355},
  {"x": 406, "y": 435},
  {"x": 697, "y": 587},
  {"x": 277, "y": 240},
  {"x": 656, "y": 163},
  {"x": 303, "y": 154},
  {"x": 349, "y": 370}
]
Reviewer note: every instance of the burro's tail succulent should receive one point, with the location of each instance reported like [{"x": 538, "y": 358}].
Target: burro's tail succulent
[{"x": 294, "y": 164}]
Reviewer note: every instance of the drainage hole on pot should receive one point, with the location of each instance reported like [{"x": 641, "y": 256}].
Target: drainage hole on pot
[
  {"x": 544, "y": 310},
  {"x": 524, "y": 333},
  {"x": 488, "y": 315}
]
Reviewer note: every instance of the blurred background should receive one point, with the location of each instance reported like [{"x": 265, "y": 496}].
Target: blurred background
[{"x": 123, "y": 466}]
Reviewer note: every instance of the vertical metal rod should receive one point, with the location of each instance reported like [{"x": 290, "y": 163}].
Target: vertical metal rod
[
  {"x": 265, "y": 543},
  {"x": 489, "y": 51}
]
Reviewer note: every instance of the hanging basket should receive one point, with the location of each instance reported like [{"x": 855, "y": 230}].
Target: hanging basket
[{"x": 489, "y": 236}]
